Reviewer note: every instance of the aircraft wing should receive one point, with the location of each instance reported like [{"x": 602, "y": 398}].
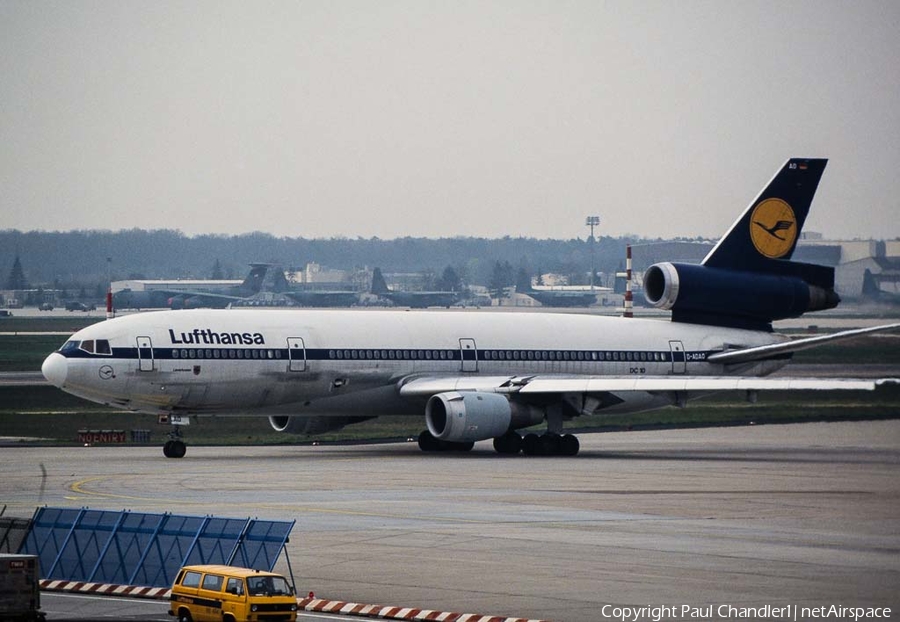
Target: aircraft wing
[
  {"x": 426, "y": 386},
  {"x": 746, "y": 355}
]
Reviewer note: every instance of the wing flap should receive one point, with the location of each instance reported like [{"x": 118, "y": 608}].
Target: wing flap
[
  {"x": 431, "y": 385},
  {"x": 525, "y": 385},
  {"x": 653, "y": 384}
]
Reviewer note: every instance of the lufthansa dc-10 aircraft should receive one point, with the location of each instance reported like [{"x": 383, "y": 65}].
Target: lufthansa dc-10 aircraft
[{"x": 477, "y": 376}]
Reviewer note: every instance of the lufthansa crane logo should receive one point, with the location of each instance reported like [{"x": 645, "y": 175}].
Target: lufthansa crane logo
[{"x": 773, "y": 228}]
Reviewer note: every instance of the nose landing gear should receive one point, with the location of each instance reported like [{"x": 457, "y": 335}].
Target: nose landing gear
[{"x": 175, "y": 447}]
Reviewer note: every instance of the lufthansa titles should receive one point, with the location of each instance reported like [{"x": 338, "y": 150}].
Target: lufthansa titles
[{"x": 206, "y": 336}]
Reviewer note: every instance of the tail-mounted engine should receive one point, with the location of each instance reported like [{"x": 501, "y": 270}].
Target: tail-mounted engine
[{"x": 701, "y": 294}]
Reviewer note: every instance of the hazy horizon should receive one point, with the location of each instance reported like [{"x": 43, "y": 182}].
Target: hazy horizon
[{"x": 429, "y": 119}]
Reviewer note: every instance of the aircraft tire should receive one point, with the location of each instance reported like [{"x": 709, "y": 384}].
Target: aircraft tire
[
  {"x": 509, "y": 444},
  {"x": 427, "y": 442},
  {"x": 569, "y": 445},
  {"x": 548, "y": 445},
  {"x": 174, "y": 449},
  {"x": 530, "y": 444}
]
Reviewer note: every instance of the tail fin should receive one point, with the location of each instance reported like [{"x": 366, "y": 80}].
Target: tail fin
[
  {"x": 748, "y": 280},
  {"x": 379, "y": 286},
  {"x": 769, "y": 229},
  {"x": 256, "y": 276}
]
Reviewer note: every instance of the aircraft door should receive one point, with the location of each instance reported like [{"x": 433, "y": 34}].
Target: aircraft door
[
  {"x": 145, "y": 354},
  {"x": 468, "y": 354},
  {"x": 296, "y": 354},
  {"x": 679, "y": 360}
]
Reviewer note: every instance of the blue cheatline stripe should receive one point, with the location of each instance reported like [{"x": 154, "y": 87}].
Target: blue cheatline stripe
[{"x": 399, "y": 354}]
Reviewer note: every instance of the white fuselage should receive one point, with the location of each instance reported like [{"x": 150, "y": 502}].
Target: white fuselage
[{"x": 335, "y": 362}]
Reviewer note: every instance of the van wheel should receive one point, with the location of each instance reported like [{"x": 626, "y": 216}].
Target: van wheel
[{"x": 184, "y": 615}]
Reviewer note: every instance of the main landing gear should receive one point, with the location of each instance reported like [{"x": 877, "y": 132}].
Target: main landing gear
[
  {"x": 548, "y": 444},
  {"x": 510, "y": 444}
]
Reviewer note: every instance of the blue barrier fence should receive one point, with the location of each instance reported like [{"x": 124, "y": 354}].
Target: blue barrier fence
[{"x": 131, "y": 548}]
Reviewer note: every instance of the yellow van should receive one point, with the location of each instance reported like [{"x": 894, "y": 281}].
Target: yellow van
[{"x": 211, "y": 593}]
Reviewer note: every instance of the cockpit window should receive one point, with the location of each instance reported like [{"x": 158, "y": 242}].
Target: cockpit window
[
  {"x": 100, "y": 346},
  {"x": 69, "y": 346}
]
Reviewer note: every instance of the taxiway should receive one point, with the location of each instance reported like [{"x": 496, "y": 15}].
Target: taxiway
[{"x": 805, "y": 514}]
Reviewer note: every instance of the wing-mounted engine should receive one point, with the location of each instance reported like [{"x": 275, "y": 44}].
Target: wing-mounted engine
[
  {"x": 702, "y": 294},
  {"x": 310, "y": 426},
  {"x": 463, "y": 417}
]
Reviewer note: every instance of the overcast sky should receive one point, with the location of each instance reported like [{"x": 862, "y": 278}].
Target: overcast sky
[{"x": 395, "y": 118}]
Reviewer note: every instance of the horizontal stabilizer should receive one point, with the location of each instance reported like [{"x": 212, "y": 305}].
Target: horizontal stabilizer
[{"x": 776, "y": 349}]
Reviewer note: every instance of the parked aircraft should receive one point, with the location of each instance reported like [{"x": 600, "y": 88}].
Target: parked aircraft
[
  {"x": 565, "y": 297},
  {"x": 323, "y": 298},
  {"x": 415, "y": 300},
  {"x": 201, "y": 297},
  {"x": 478, "y": 375}
]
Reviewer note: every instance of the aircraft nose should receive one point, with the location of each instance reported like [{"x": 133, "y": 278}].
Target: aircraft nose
[{"x": 55, "y": 369}]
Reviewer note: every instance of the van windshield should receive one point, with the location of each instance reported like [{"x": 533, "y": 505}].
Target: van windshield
[{"x": 268, "y": 586}]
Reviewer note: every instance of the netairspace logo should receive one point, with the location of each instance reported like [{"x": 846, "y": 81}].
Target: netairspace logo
[{"x": 794, "y": 613}]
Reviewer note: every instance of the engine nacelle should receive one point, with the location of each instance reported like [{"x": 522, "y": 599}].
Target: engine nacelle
[
  {"x": 474, "y": 416},
  {"x": 310, "y": 426},
  {"x": 697, "y": 293}
]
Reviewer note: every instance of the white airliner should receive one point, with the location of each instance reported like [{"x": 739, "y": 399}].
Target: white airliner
[{"x": 479, "y": 375}]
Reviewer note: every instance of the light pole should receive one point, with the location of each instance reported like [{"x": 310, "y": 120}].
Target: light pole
[
  {"x": 592, "y": 221},
  {"x": 110, "y": 313}
]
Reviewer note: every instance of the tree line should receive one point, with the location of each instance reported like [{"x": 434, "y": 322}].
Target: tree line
[{"x": 83, "y": 259}]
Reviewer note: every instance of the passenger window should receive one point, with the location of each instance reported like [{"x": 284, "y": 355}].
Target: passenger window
[
  {"x": 235, "y": 586},
  {"x": 213, "y": 582},
  {"x": 191, "y": 579}
]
